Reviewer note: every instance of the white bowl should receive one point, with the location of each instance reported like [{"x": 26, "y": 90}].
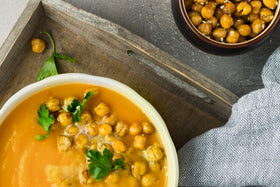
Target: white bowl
[{"x": 145, "y": 106}]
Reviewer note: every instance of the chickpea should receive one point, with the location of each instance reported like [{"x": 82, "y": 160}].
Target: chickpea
[
  {"x": 102, "y": 109},
  {"x": 271, "y": 4},
  {"x": 110, "y": 138},
  {"x": 139, "y": 141},
  {"x": 256, "y": 6},
  {"x": 117, "y": 156},
  {"x": 81, "y": 140},
  {"x": 220, "y": 1},
  {"x": 92, "y": 129},
  {"x": 207, "y": 12},
  {"x": 226, "y": 21},
  {"x": 111, "y": 120},
  {"x": 53, "y": 104},
  {"x": 121, "y": 128},
  {"x": 101, "y": 147},
  {"x": 68, "y": 101},
  {"x": 213, "y": 21},
  {"x": 63, "y": 143},
  {"x": 139, "y": 168},
  {"x": 258, "y": 25},
  {"x": 72, "y": 131},
  {"x": 86, "y": 118},
  {"x": 252, "y": 17},
  {"x": 200, "y": 1},
  {"x": 135, "y": 129},
  {"x": 149, "y": 179},
  {"x": 219, "y": 13},
  {"x": 266, "y": 15},
  {"x": 112, "y": 178},
  {"x": 119, "y": 146},
  {"x": 219, "y": 34},
  {"x": 196, "y": 7},
  {"x": 212, "y": 4},
  {"x": 85, "y": 177},
  {"x": 154, "y": 153},
  {"x": 196, "y": 19},
  {"x": 147, "y": 128},
  {"x": 94, "y": 89},
  {"x": 38, "y": 45},
  {"x": 253, "y": 35},
  {"x": 93, "y": 144},
  {"x": 64, "y": 119},
  {"x": 238, "y": 21},
  {"x": 232, "y": 37},
  {"x": 244, "y": 30},
  {"x": 244, "y": 8},
  {"x": 229, "y": 7},
  {"x": 155, "y": 166},
  {"x": 105, "y": 129}
]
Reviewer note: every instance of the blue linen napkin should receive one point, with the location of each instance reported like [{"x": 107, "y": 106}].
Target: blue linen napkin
[{"x": 246, "y": 151}]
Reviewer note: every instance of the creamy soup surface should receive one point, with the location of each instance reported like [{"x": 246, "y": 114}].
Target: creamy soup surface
[{"x": 108, "y": 121}]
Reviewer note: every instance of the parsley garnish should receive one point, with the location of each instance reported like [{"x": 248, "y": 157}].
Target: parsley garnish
[
  {"x": 49, "y": 67},
  {"x": 45, "y": 120},
  {"x": 101, "y": 165},
  {"x": 76, "y": 107}
]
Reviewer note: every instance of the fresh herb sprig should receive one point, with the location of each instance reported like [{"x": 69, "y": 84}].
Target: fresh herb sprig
[
  {"x": 49, "y": 67},
  {"x": 101, "y": 165},
  {"x": 45, "y": 120},
  {"x": 76, "y": 107}
]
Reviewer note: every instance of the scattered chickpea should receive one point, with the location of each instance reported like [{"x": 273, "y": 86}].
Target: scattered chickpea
[
  {"x": 112, "y": 178},
  {"x": 196, "y": 7},
  {"x": 105, "y": 129},
  {"x": 200, "y": 1},
  {"x": 117, "y": 156},
  {"x": 102, "y": 109},
  {"x": 229, "y": 7},
  {"x": 63, "y": 143},
  {"x": 110, "y": 138},
  {"x": 207, "y": 12},
  {"x": 53, "y": 104},
  {"x": 81, "y": 141},
  {"x": 219, "y": 34},
  {"x": 213, "y": 21},
  {"x": 38, "y": 45},
  {"x": 139, "y": 168},
  {"x": 252, "y": 17},
  {"x": 238, "y": 21},
  {"x": 85, "y": 177},
  {"x": 212, "y": 4},
  {"x": 271, "y": 4},
  {"x": 95, "y": 91},
  {"x": 244, "y": 30},
  {"x": 149, "y": 179},
  {"x": 266, "y": 15},
  {"x": 101, "y": 147},
  {"x": 226, "y": 21},
  {"x": 135, "y": 129},
  {"x": 111, "y": 120},
  {"x": 68, "y": 101},
  {"x": 154, "y": 153},
  {"x": 257, "y": 26},
  {"x": 155, "y": 166},
  {"x": 256, "y": 6},
  {"x": 205, "y": 28},
  {"x": 64, "y": 119},
  {"x": 72, "y": 131},
  {"x": 139, "y": 141},
  {"x": 147, "y": 127},
  {"x": 196, "y": 19},
  {"x": 220, "y": 1},
  {"x": 92, "y": 129},
  {"x": 119, "y": 146},
  {"x": 93, "y": 144},
  {"x": 232, "y": 37},
  {"x": 244, "y": 8},
  {"x": 86, "y": 118},
  {"x": 121, "y": 128}
]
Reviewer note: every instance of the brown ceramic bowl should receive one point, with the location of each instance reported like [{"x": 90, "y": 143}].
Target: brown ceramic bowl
[{"x": 210, "y": 45}]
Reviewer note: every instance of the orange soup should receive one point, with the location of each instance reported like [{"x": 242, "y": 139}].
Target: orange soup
[{"x": 79, "y": 142}]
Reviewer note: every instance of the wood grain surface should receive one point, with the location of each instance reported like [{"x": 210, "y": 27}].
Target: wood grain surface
[{"x": 189, "y": 102}]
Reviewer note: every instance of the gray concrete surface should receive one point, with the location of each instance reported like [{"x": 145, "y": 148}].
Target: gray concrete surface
[{"x": 153, "y": 21}]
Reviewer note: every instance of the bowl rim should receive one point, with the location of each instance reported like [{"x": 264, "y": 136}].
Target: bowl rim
[
  {"x": 122, "y": 89},
  {"x": 246, "y": 43}
]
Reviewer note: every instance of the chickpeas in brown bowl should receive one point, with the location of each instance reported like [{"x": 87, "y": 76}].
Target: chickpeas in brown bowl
[{"x": 230, "y": 24}]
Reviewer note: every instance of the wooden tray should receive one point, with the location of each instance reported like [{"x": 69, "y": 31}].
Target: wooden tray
[{"x": 189, "y": 102}]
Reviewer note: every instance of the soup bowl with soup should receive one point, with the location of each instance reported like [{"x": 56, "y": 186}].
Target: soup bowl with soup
[{"x": 83, "y": 130}]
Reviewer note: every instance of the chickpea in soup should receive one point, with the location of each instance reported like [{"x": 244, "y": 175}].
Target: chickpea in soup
[{"x": 85, "y": 136}]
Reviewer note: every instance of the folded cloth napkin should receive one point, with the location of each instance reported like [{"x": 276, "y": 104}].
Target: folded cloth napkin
[{"x": 246, "y": 151}]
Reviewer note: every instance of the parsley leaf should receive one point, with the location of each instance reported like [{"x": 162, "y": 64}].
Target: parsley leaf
[
  {"x": 45, "y": 120},
  {"x": 49, "y": 67},
  {"x": 76, "y": 107},
  {"x": 101, "y": 165}
]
